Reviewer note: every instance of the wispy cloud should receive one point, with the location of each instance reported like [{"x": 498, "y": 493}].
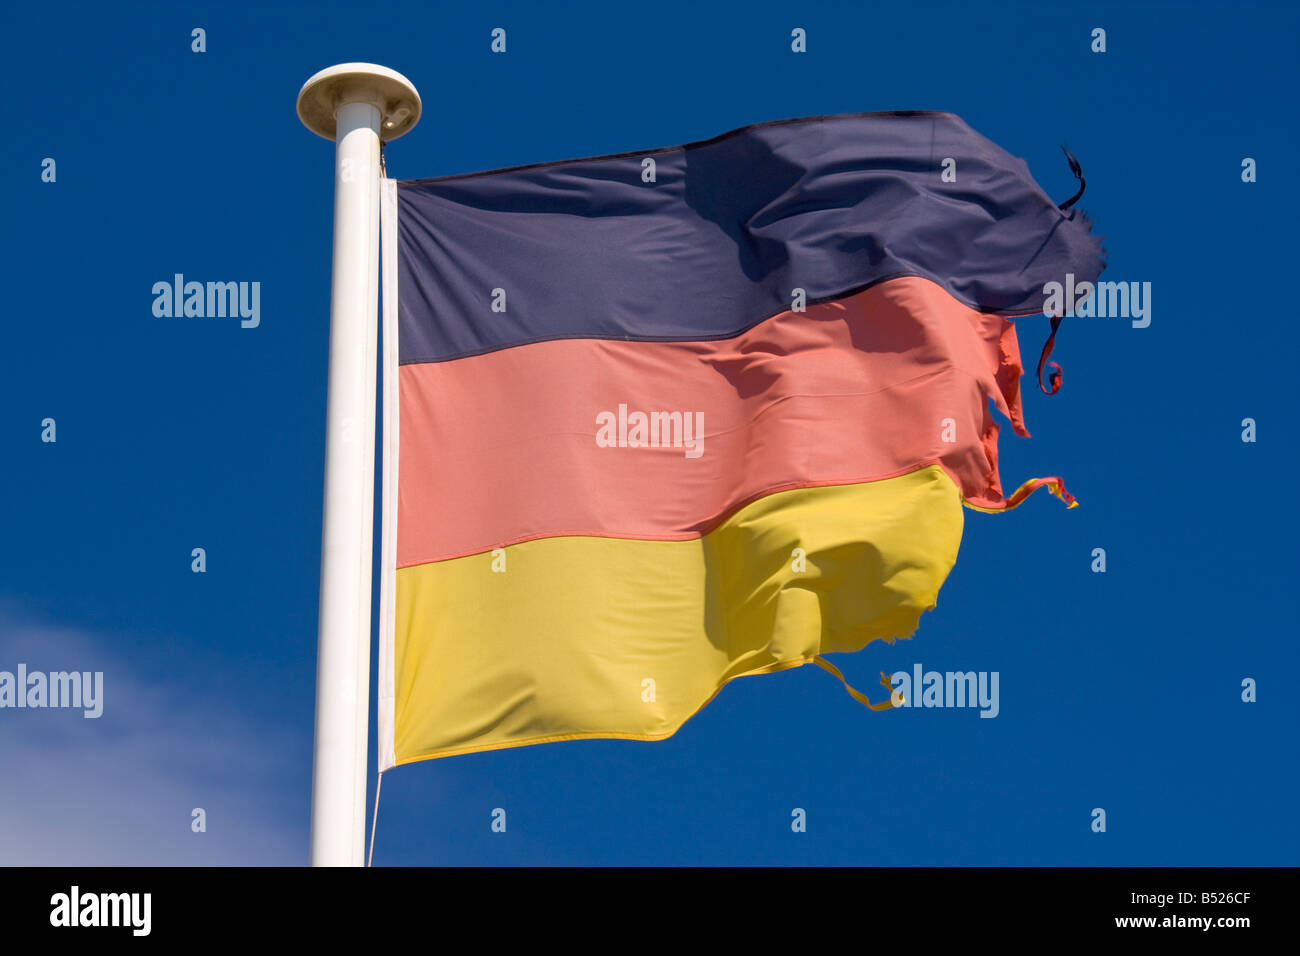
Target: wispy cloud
[{"x": 119, "y": 790}]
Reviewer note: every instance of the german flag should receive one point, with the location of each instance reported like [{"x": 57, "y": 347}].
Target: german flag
[{"x": 661, "y": 419}]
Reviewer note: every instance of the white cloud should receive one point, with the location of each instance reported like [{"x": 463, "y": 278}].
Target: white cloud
[{"x": 119, "y": 790}]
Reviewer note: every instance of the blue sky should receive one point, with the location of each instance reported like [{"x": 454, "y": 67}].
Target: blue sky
[{"x": 1119, "y": 690}]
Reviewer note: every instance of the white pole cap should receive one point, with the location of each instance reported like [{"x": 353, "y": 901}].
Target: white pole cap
[{"x": 393, "y": 94}]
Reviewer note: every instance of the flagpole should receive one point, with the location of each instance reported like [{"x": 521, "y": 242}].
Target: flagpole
[{"x": 357, "y": 105}]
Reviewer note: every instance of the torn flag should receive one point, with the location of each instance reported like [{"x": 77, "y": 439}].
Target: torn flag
[{"x": 661, "y": 419}]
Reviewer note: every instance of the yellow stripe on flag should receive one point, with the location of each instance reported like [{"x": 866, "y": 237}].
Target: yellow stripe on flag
[{"x": 609, "y": 637}]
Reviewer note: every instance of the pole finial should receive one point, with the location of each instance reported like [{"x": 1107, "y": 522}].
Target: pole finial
[{"x": 393, "y": 94}]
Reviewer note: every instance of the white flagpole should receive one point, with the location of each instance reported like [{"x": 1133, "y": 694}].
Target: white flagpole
[{"x": 357, "y": 105}]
